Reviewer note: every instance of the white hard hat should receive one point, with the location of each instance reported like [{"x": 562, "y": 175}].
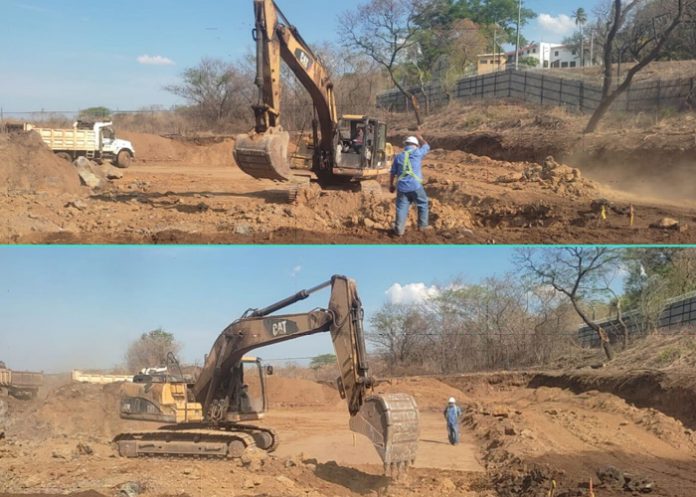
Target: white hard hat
[
  {"x": 452, "y": 400},
  {"x": 412, "y": 140}
]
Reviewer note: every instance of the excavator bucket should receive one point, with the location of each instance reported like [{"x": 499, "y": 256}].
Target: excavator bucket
[
  {"x": 264, "y": 155},
  {"x": 391, "y": 422}
]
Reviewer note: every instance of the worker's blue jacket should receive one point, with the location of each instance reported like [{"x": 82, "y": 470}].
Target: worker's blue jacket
[
  {"x": 452, "y": 414},
  {"x": 410, "y": 179}
]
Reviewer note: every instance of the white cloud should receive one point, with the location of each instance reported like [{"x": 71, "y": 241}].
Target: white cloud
[
  {"x": 155, "y": 60},
  {"x": 561, "y": 25},
  {"x": 413, "y": 293},
  {"x": 295, "y": 271}
]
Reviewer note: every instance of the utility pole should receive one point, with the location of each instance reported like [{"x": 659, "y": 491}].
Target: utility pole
[
  {"x": 495, "y": 46},
  {"x": 517, "y": 44},
  {"x": 582, "y": 45}
]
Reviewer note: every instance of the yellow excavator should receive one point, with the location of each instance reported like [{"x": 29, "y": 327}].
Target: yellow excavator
[
  {"x": 213, "y": 416},
  {"x": 352, "y": 149}
]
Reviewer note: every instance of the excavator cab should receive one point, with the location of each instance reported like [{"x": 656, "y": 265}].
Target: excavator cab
[
  {"x": 362, "y": 147},
  {"x": 168, "y": 398}
]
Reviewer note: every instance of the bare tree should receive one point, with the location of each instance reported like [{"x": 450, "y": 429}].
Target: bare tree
[
  {"x": 151, "y": 350},
  {"x": 576, "y": 272},
  {"x": 460, "y": 44},
  {"x": 651, "y": 302},
  {"x": 649, "y": 40},
  {"x": 398, "y": 332},
  {"x": 217, "y": 90},
  {"x": 386, "y": 31},
  {"x": 357, "y": 79},
  {"x": 682, "y": 274}
]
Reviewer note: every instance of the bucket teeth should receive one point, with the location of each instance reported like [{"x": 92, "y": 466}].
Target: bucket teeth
[
  {"x": 397, "y": 470},
  {"x": 391, "y": 422}
]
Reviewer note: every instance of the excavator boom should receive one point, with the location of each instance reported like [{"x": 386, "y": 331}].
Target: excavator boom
[{"x": 263, "y": 153}]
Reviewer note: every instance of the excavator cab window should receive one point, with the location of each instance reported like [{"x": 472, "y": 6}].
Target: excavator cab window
[
  {"x": 380, "y": 155},
  {"x": 252, "y": 397},
  {"x": 359, "y": 138}
]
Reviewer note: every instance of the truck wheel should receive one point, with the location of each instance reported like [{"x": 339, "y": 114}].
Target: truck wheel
[
  {"x": 65, "y": 156},
  {"x": 124, "y": 159}
]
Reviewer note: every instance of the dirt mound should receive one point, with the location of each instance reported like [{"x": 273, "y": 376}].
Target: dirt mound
[
  {"x": 74, "y": 410},
  {"x": 292, "y": 392},
  {"x": 349, "y": 210},
  {"x": 670, "y": 392},
  {"x": 430, "y": 394},
  {"x": 27, "y": 165},
  {"x": 89, "y": 493},
  {"x": 154, "y": 148},
  {"x": 533, "y": 437},
  {"x": 485, "y": 384}
]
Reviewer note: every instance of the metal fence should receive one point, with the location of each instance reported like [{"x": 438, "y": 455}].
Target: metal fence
[
  {"x": 47, "y": 115},
  {"x": 542, "y": 88},
  {"x": 677, "y": 314}
]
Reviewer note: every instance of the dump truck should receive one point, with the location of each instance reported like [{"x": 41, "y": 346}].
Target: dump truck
[
  {"x": 214, "y": 416},
  {"x": 95, "y": 141},
  {"x": 19, "y": 384}
]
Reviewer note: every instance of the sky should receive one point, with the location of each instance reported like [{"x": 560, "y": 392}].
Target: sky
[
  {"x": 71, "y": 54},
  {"x": 65, "y": 308}
]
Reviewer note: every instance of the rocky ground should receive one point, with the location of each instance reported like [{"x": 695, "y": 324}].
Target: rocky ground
[{"x": 192, "y": 192}]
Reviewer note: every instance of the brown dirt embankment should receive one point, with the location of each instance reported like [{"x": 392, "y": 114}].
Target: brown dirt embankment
[
  {"x": 672, "y": 393},
  {"x": 28, "y": 166}
]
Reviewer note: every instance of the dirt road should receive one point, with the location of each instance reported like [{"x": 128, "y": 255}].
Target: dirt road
[
  {"x": 325, "y": 436},
  {"x": 189, "y": 193}
]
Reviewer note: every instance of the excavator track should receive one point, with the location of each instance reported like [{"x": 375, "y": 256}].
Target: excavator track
[{"x": 228, "y": 442}]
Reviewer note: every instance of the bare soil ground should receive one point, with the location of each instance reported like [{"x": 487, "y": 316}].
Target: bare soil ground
[
  {"x": 521, "y": 437},
  {"x": 188, "y": 192}
]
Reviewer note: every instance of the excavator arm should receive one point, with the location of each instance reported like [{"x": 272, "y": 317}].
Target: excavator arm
[
  {"x": 389, "y": 421},
  {"x": 263, "y": 152}
]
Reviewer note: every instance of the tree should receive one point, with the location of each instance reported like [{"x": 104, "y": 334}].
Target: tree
[
  {"x": 320, "y": 361},
  {"x": 576, "y": 273},
  {"x": 217, "y": 90},
  {"x": 644, "y": 264},
  {"x": 503, "y": 12},
  {"x": 399, "y": 332},
  {"x": 95, "y": 114},
  {"x": 646, "y": 40},
  {"x": 385, "y": 31},
  {"x": 455, "y": 47},
  {"x": 495, "y": 22},
  {"x": 580, "y": 17},
  {"x": 151, "y": 350}
]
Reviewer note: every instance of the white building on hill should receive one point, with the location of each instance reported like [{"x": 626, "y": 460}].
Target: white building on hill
[{"x": 549, "y": 55}]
